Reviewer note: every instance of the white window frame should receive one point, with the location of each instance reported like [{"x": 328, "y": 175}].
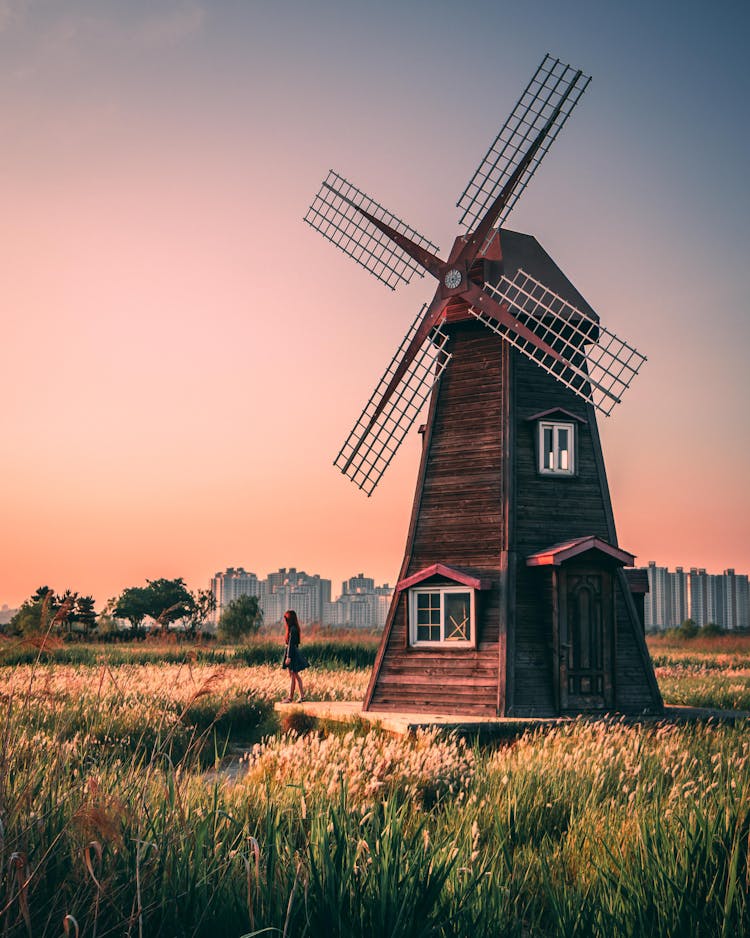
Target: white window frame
[
  {"x": 555, "y": 426},
  {"x": 443, "y": 642}
]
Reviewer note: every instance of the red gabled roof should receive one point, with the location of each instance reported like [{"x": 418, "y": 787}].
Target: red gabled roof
[
  {"x": 559, "y": 553},
  {"x": 440, "y": 569}
]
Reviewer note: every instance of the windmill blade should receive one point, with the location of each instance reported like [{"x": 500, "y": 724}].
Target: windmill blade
[
  {"x": 371, "y": 445},
  {"x": 596, "y": 364},
  {"x": 334, "y": 213},
  {"x": 554, "y": 86}
]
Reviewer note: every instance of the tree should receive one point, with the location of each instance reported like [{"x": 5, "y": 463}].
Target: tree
[
  {"x": 242, "y": 617},
  {"x": 85, "y": 614},
  {"x": 34, "y": 614},
  {"x": 133, "y": 605},
  {"x": 204, "y": 604},
  {"x": 688, "y": 629},
  {"x": 40, "y": 594},
  {"x": 169, "y": 600},
  {"x": 164, "y": 600},
  {"x": 64, "y": 611}
]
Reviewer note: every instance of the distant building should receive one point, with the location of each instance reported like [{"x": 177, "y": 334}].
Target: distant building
[
  {"x": 6, "y": 614},
  {"x": 294, "y": 589},
  {"x": 361, "y": 605},
  {"x": 279, "y": 591},
  {"x": 704, "y": 597},
  {"x": 736, "y": 612},
  {"x": 229, "y": 585},
  {"x": 658, "y": 606}
]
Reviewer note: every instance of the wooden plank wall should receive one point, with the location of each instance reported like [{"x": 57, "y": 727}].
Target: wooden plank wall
[
  {"x": 548, "y": 510},
  {"x": 459, "y": 523},
  {"x": 459, "y": 520}
]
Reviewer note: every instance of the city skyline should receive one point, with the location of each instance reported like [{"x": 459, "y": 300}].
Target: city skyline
[
  {"x": 183, "y": 356},
  {"x": 360, "y": 604},
  {"x": 389, "y": 582},
  {"x": 674, "y": 596}
]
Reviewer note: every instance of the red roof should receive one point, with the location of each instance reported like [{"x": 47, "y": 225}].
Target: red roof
[
  {"x": 440, "y": 569},
  {"x": 559, "y": 553}
]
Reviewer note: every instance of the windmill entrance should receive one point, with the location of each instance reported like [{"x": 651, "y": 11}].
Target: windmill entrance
[{"x": 584, "y": 636}]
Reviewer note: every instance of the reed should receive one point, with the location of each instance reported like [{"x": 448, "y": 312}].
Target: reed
[{"x": 111, "y": 825}]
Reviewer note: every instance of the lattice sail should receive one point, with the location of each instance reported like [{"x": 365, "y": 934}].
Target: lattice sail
[
  {"x": 598, "y": 366},
  {"x": 554, "y": 84},
  {"x": 336, "y": 218},
  {"x": 370, "y": 447}
]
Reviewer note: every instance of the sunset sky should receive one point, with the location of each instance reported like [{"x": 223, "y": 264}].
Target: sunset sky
[{"x": 182, "y": 356}]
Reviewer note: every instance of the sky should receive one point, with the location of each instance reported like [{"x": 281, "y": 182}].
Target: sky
[{"x": 182, "y": 356}]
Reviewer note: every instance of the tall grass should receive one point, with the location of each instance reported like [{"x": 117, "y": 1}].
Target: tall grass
[
  {"x": 326, "y": 653},
  {"x": 111, "y": 825}
]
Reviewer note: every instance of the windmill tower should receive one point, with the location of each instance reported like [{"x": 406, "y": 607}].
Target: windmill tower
[{"x": 512, "y": 597}]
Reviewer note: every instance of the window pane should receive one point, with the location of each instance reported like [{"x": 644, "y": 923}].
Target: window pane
[
  {"x": 548, "y": 453},
  {"x": 428, "y": 617},
  {"x": 562, "y": 444},
  {"x": 458, "y": 617}
]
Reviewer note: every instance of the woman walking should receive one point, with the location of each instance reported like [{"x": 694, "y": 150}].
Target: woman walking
[{"x": 293, "y": 658}]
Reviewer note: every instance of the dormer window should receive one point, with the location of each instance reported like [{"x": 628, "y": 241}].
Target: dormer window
[
  {"x": 441, "y": 606},
  {"x": 556, "y": 441},
  {"x": 556, "y": 447},
  {"x": 442, "y": 615}
]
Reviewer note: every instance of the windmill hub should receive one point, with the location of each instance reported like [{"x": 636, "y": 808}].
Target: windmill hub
[{"x": 453, "y": 278}]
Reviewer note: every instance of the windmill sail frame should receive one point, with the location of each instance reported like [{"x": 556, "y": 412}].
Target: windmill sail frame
[
  {"x": 553, "y": 85},
  {"x": 334, "y": 213},
  {"x": 368, "y": 450},
  {"x": 598, "y": 366}
]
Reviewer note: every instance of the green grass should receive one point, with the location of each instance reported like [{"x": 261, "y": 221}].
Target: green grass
[
  {"x": 107, "y": 815},
  {"x": 326, "y": 653}
]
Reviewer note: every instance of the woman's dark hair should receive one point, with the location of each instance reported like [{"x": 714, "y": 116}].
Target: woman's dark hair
[{"x": 292, "y": 627}]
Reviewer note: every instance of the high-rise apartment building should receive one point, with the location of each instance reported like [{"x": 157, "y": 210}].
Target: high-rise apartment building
[
  {"x": 658, "y": 605},
  {"x": 704, "y": 597},
  {"x": 736, "y": 612},
  {"x": 229, "y": 585},
  {"x": 361, "y": 604}
]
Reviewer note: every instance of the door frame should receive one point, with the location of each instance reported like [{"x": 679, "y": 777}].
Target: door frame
[{"x": 561, "y": 640}]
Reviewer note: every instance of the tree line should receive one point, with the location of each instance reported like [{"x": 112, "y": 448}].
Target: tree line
[{"x": 163, "y": 602}]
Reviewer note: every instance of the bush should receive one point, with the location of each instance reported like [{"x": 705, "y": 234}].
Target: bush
[
  {"x": 688, "y": 629},
  {"x": 242, "y": 617}
]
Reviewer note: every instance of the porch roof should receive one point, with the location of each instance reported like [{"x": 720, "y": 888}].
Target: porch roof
[{"x": 559, "y": 553}]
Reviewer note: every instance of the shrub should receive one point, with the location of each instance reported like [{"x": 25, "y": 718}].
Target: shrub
[{"x": 688, "y": 629}]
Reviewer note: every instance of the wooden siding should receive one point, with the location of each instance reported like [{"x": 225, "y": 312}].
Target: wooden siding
[
  {"x": 482, "y": 506},
  {"x": 458, "y": 522},
  {"x": 548, "y": 510}
]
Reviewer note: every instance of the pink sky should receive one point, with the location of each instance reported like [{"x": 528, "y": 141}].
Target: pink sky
[{"x": 182, "y": 357}]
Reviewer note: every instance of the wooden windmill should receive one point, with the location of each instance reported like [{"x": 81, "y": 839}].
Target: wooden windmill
[{"x": 512, "y": 598}]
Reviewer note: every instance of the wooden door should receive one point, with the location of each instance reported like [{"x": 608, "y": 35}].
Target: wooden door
[{"x": 585, "y": 639}]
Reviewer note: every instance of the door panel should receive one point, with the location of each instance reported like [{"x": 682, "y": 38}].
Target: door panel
[{"x": 585, "y": 639}]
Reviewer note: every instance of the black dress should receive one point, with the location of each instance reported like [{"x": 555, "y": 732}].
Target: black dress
[{"x": 297, "y": 661}]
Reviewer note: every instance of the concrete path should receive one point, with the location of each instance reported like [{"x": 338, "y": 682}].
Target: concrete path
[{"x": 403, "y": 724}]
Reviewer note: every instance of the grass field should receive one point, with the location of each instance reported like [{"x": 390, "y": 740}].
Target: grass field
[{"x": 115, "y": 821}]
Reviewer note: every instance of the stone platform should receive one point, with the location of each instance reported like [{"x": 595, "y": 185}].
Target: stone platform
[{"x": 403, "y": 724}]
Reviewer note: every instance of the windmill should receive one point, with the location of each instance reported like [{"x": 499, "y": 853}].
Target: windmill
[{"x": 512, "y": 597}]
